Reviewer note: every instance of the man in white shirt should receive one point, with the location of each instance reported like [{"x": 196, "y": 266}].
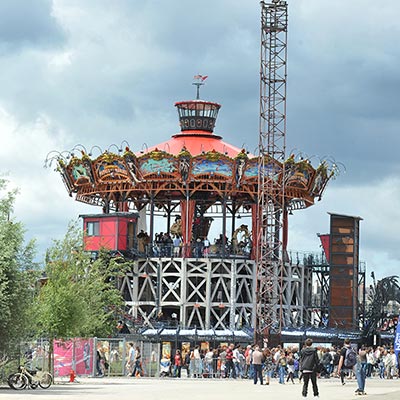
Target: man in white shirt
[
  {"x": 209, "y": 361},
  {"x": 131, "y": 359}
]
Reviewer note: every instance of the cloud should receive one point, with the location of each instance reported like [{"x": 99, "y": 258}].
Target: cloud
[
  {"x": 26, "y": 24},
  {"x": 42, "y": 203},
  {"x": 374, "y": 203},
  {"x": 94, "y": 73}
]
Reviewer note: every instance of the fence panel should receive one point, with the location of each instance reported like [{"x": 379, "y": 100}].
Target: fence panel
[{"x": 150, "y": 358}]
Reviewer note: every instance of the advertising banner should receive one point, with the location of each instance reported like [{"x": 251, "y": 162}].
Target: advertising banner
[
  {"x": 397, "y": 342},
  {"x": 74, "y": 355}
]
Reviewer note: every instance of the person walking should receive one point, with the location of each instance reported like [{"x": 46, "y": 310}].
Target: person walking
[
  {"x": 347, "y": 361},
  {"x": 130, "y": 365},
  {"x": 269, "y": 367},
  {"x": 196, "y": 362},
  {"x": 99, "y": 364},
  {"x": 361, "y": 370},
  {"x": 221, "y": 365},
  {"x": 309, "y": 364},
  {"x": 281, "y": 367},
  {"x": 177, "y": 364},
  {"x": 137, "y": 370},
  {"x": 326, "y": 362},
  {"x": 186, "y": 363},
  {"x": 257, "y": 364},
  {"x": 230, "y": 366},
  {"x": 290, "y": 368},
  {"x": 209, "y": 363},
  {"x": 247, "y": 356}
]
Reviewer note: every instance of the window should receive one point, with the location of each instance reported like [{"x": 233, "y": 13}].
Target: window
[{"x": 93, "y": 228}]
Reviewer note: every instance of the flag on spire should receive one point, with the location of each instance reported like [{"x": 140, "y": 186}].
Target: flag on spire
[
  {"x": 199, "y": 81},
  {"x": 200, "y": 77}
]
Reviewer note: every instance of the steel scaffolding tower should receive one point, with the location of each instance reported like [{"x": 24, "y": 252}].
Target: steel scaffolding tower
[{"x": 271, "y": 187}]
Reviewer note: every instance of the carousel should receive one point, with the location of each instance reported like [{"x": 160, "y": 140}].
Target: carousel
[{"x": 184, "y": 211}]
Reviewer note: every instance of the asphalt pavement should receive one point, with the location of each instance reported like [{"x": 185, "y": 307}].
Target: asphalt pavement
[{"x": 121, "y": 388}]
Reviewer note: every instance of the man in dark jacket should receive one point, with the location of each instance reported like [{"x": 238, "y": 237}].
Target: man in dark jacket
[{"x": 309, "y": 362}]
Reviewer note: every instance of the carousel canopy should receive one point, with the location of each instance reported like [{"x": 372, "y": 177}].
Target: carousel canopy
[{"x": 194, "y": 163}]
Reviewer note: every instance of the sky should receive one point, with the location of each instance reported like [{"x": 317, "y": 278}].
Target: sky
[{"x": 96, "y": 72}]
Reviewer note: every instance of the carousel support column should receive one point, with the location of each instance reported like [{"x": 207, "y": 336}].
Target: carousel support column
[
  {"x": 233, "y": 206},
  {"x": 224, "y": 226},
  {"x": 182, "y": 308},
  {"x": 208, "y": 295},
  {"x": 255, "y": 232},
  {"x": 151, "y": 223},
  {"x": 135, "y": 289},
  {"x": 168, "y": 211},
  {"x": 232, "y": 300},
  {"x": 302, "y": 293},
  {"x": 186, "y": 241},
  {"x": 254, "y": 293},
  {"x": 285, "y": 223},
  {"x": 278, "y": 216},
  {"x": 168, "y": 222},
  {"x": 158, "y": 288},
  {"x": 187, "y": 211}
]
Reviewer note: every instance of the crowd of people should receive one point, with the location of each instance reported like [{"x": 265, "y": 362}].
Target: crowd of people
[
  {"x": 289, "y": 365},
  {"x": 166, "y": 245},
  {"x": 171, "y": 245}
]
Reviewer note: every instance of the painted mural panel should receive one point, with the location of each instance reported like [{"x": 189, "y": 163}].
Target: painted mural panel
[
  {"x": 80, "y": 174},
  {"x": 220, "y": 167},
  {"x": 297, "y": 177},
  {"x": 151, "y": 166},
  {"x": 111, "y": 171},
  {"x": 270, "y": 169}
]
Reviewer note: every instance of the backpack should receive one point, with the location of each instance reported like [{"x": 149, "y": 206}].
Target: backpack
[{"x": 350, "y": 358}]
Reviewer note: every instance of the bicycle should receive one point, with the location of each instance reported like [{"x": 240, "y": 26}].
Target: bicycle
[{"x": 28, "y": 378}]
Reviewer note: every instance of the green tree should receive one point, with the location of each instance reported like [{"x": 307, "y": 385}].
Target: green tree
[
  {"x": 79, "y": 298},
  {"x": 18, "y": 275}
]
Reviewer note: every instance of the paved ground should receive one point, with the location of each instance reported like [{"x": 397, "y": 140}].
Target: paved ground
[{"x": 200, "y": 389}]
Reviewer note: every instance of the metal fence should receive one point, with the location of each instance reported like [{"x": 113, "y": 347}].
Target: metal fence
[{"x": 115, "y": 357}]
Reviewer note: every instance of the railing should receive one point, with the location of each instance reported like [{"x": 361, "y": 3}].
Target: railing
[
  {"x": 307, "y": 258},
  {"x": 194, "y": 250}
]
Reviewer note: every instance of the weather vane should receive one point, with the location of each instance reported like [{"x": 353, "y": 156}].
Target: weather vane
[{"x": 199, "y": 81}]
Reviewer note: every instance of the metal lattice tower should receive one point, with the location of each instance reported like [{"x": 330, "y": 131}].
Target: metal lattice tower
[{"x": 272, "y": 144}]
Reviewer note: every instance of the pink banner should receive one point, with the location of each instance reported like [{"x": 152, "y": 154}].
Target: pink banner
[
  {"x": 83, "y": 356},
  {"x": 73, "y": 354}
]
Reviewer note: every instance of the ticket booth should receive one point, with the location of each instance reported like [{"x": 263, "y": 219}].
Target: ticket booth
[{"x": 115, "y": 232}]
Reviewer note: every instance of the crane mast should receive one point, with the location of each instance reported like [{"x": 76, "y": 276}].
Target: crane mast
[{"x": 272, "y": 146}]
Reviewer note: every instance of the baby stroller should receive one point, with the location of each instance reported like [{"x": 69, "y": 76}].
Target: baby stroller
[{"x": 165, "y": 365}]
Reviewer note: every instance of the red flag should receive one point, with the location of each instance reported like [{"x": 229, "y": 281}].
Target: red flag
[
  {"x": 203, "y": 78},
  {"x": 325, "y": 241}
]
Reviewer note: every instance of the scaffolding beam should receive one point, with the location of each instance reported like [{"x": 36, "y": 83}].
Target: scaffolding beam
[{"x": 272, "y": 146}]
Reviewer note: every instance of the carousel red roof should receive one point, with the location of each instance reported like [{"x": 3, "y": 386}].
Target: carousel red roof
[
  {"x": 197, "y": 142},
  {"x": 197, "y": 120}
]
